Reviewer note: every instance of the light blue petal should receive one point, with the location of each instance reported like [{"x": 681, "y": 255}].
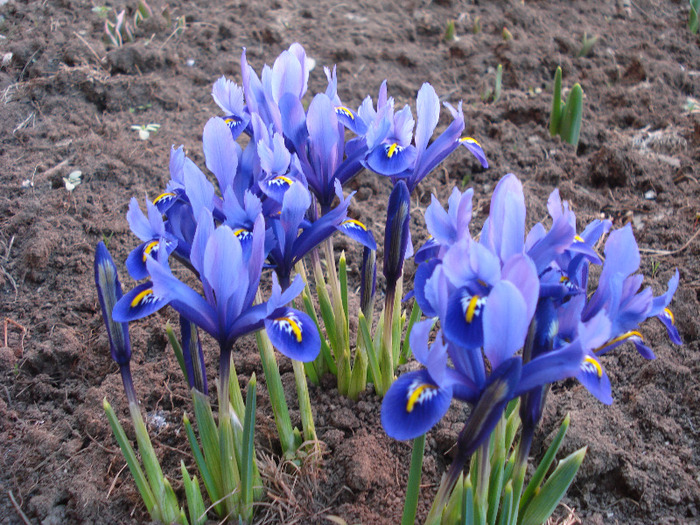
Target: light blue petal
[{"x": 505, "y": 323}]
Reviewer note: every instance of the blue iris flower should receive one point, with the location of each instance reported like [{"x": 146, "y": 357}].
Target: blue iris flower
[
  {"x": 395, "y": 150},
  {"x": 230, "y": 277}
]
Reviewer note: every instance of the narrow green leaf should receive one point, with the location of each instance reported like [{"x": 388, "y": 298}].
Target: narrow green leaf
[
  {"x": 693, "y": 19},
  {"x": 506, "y": 504},
  {"x": 495, "y": 486},
  {"x": 544, "y": 465},
  {"x": 546, "y": 500},
  {"x": 343, "y": 275},
  {"x": 177, "y": 349},
  {"x": 248, "y": 450},
  {"x": 195, "y": 502},
  {"x": 276, "y": 391},
  {"x": 499, "y": 83},
  {"x": 406, "y": 350},
  {"x": 209, "y": 436},
  {"x": 413, "y": 487},
  {"x": 325, "y": 349},
  {"x": 572, "y": 116},
  {"x": 366, "y": 340},
  {"x": 209, "y": 482},
  {"x": 358, "y": 378},
  {"x": 555, "y": 114},
  {"x": 468, "y": 502},
  {"x": 453, "y": 509},
  {"x": 230, "y": 468},
  {"x": 131, "y": 460}
]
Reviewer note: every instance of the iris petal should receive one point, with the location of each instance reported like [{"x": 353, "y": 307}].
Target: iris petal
[
  {"x": 391, "y": 159},
  {"x": 294, "y": 334},
  {"x": 358, "y": 232},
  {"x": 668, "y": 320},
  {"x": 475, "y": 148},
  {"x": 593, "y": 377},
  {"x": 138, "y": 303},
  {"x": 463, "y": 322},
  {"x": 413, "y": 405}
]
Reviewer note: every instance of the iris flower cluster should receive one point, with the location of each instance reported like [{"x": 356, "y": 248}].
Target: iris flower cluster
[{"x": 514, "y": 314}]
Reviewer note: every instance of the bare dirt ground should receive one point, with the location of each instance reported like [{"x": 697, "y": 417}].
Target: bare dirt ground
[{"x": 69, "y": 101}]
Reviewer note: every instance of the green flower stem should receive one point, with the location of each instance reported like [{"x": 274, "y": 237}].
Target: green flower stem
[
  {"x": 276, "y": 391},
  {"x": 386, "y": 355},
  {"x": 482, "y": 484},
  {"x": 324, "y": 362},
  {"x": 365, "y": 341},
  {"x": 307, "y": 416},
  {"x": 414, "y": 475}
]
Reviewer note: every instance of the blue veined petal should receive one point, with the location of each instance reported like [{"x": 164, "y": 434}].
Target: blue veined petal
[
  {"x": 669, "y": 321},
  {"x": 413, "y": 405},
  {"x": 276, "y": 187},
  {"x": 505, "y": 323},
  {"x": 476, "y": 150},
  {"x": 550, "y": 367},
  {"x": 294, "y": 334},
  {"x": 632, "y": 336},
  {"x": 391, "y": 159},
  {"x": 420, "y": 281},
  {"x": 358, "y": 232},
  {"x": 506, "y": 223},
  {"x": 165, "y": 200},
  {"x": 221, "y": 152},
  {"x": 136, "y": 261},
  {"x": 430, "y": 249},
  {"x": 138, "y": 303},
  {"x": 236, "y": 124},
  {"x": 351, "y": 120},
  {"x": 464, "y": 320},
  {"x": 593, "y": 377}
]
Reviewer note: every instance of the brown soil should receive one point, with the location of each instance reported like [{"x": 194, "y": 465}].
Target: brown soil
[{"x": 68, "y": 103}]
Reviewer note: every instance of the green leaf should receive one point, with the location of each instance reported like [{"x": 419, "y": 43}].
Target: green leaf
[
  {"x": 544, "y": 465},
  {"x": 468, "y": 502},
  {"x": 546, "y": 500},
  {"x": 453, "y": 509},
  {"x": 406, "y": 350},
  {"x": 343, "y": 276},
  {"x": 325, "y": 349},
  {"x": 555, "y": 115},
  {"x": 366, "y": 340},
  {"x": 507, "y": 504},
  {"x": 177, "y": 349},
  {"x": 195, "y": 503},
  {"x": 209, "y": 436},
  {"x": 693, "y": 19},
  {"x": 209, "y": 481},
  {"x": 358, "y": 378},
  {"x": 248, "y": 450},
  {"x": 130, "y": 456},
  {"x": 572, "y": 116}
]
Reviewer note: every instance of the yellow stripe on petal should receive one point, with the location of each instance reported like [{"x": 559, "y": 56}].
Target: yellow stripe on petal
[
  {"x": 471, "y": 309},
  {"x": 355, "y": 223},
  {"x": 470, "y": 140},
  {"x": 416, "y": 396},
  {"x": 578, "y": 238},
  {"x": 148, "y": 249},
  {"x": 619, "y": 338},
  {"x": 141, "y": 297},
  {"x": 596, "y": 365},
  {"x": 392, "y": 150},
  {"x": 282, "y": 178},
  {"x": 345, "y": 111},
  {"x": 670, "y": 315},
  {"x": 292, "y": 325},
  {"x": 163, "y": 196}
]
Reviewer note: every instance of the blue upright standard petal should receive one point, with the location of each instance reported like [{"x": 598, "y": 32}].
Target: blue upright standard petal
[
  {"x": 294, "y": 334},
  {"x": 413, "y": 405}
]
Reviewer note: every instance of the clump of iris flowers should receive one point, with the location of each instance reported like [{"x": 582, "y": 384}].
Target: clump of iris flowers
[{"x": 515, "y": 312}]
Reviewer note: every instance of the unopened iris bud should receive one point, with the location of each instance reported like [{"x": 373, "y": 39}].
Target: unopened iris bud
[
  {"x": 396, "y": 233},
  {"x": 368, "y": 285},
  {"x": 109, "y": 291}
]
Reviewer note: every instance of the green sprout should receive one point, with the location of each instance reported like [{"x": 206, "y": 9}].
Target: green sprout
[
  {"x": 565, "y": 118},
  {"x": 693, "y": 20},
  {"x": 73, "y": 180},
  {"x": 507, "y": 35},
  {"x": 101, "y": 10},
  {"x": 587, "y": 43},
  {"x": 476, "y": 27},
  {"x": 145, "y": 130},
  {"x": 450, "y": 31},
  {"x": 494, "y": 94},
  {"x": 121, "y": 29}
]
